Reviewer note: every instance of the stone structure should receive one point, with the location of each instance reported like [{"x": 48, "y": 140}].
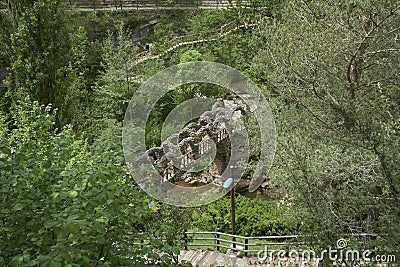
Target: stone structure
[{"x": 181, "y": 155}]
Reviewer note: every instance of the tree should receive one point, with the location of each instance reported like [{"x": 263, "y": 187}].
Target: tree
[
  {"x": 36, "y": 41},
  {"x": 116, "y": 86},
  {"x": 67, "y": 202},
  {"x": 48, "y": 60},
  {"x": 330, "y": 69}
]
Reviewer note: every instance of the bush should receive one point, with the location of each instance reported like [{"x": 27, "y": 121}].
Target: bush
[
  {"x": 254, "y": 217},
  {"x": 65, "y": 202}
]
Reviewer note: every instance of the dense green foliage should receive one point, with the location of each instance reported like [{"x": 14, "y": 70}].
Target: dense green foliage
[
  {"x": 254, "y": 217},
  {"x": 328, "y": 68},
  {"x": 332, "y": 73},
  {"x": 64, "y": 200}
]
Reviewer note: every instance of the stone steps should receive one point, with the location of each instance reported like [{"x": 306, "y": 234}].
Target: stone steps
[{"x": 207, "y": 258}]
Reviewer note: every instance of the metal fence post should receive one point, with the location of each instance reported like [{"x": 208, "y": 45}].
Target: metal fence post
[
  {"x": 217, "y": 239},
  {"x": 246, "y": 247},
  {"x": 186, "y": 240}
]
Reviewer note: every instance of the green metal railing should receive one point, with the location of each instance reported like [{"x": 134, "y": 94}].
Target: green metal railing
[
  {"x": 244, "y": 244},
  {"x": 249, "y": 245},
  {"x": 222, "y": 242}
]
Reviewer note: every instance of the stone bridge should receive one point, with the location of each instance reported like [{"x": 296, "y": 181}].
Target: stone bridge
[{"x": 194, "y": 148}]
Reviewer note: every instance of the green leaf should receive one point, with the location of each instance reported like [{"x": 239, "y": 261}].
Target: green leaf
[
  {"x": 72, "y": 227},
  {"x": 18, "y": 207},
  {"x": 73, "y": 194},
  {"x": 54, "y": 264},
  {"x": 17, "y": 260}
]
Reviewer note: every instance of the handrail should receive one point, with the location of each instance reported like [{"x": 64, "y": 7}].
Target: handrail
[
  {"x": 244, "y": 246},
  {"x": 187, "y": 158},
  {"x": 237, "y": 242},
  {"x": 245, "y": 237},
  {"x": 220, "y": 33},
  {"x": 278, "y": 236}
]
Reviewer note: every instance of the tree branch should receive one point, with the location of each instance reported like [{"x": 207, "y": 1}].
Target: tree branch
[{"x": 362, "y": 47}]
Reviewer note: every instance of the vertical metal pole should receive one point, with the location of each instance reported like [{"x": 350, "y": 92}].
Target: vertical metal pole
[
  {"x": 186, "y": 241},
  {"x": 217, "y": 240},
  {"x": 233, "y": 215},
  {"x": 232, "y": 209},
  {"x": 246, "y": 247}
]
